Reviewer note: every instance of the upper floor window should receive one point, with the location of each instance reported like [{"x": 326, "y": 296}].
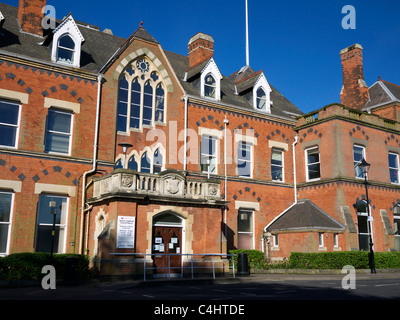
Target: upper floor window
[
  {"x": 244, "y": 159},
  {"x": 66, "y": 49},
  {"x": 67, "y": 43},
  {"x": 210, "y": 86},
  {"x": 208, "y": 156},
  {"x": 9, "y": 123},
  {"x": 358, "y": 155},
  {"x": 261, "y": 99},
  {"x": 141, "y": 97},
  {"x": 313, "y": 165},
  {"x": 157, "y": 161},
  {"x": 58, "y": 132},
  {"x": 394, "y": 167},
  {"x": 145, "y": 163},
  {"x": 277, "y": 165}
]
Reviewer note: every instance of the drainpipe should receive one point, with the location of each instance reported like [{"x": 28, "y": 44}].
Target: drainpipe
[
  {"x": 186, "y": 134},
  {"x": 95, "y": 149},
  {"x": 226, "y": 122},
  {"x": 296, "y": 137}
]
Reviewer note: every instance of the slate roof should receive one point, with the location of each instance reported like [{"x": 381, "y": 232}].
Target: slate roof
[
  {"x": 99, "y": 47},
  {"x": 304, "y": 216},
  {"x": 382, "y": 92}
]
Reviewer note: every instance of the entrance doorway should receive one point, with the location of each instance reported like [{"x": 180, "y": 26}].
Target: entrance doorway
[{"x": 166, "y": 242}]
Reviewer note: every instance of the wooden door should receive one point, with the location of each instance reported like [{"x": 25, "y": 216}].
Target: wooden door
[{"x": 167, "y": 240}]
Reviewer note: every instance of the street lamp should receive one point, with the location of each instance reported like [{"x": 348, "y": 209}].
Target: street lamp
[
  {"x": 52, "y": 205},
  {"x": 364, "y": 166},
  {"x": 125, "y": 147}
]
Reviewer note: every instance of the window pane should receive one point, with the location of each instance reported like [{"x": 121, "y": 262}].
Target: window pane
[
  {"x": 135, "y": 104},
  {"x": 4, "y": 229},
  {"x": 245, "y": 221},
  {"x": 59, "y": 121},
  {"x": 5, "y": 207},
  {"x": 362, "y": 224},
  {"x": 244, "y": 151},
  {"x": 122, "y": 104},
  {"x": 8, "y": 136},
  {"x": 244, "y": 168},
  {"x": 145, "y": 163},
  {"x": 276, "y": 173},
  {"x": 261, "y": 99},
  {"x": 313, "y": 156},
  {"x": 276, "y": 158},
  {"x": 245, "y": 241},
  {"x": 314, "y": 171},
  {"x": 158, "y": 161},
  {"x": 148, "y": 104},
  {"x": 160, "y": 103},
  {"x": 394, "y": 178},
  {"x": 132, "y": 164},
  {"x": 67, "y": 42},
  {"x": 57, "y": 143},
  {"x": 393, "y": 160},
  {"x": 45, "y": 223},
  {"x": 9, "y": 113},
  {"x": 358, "y": 153}
]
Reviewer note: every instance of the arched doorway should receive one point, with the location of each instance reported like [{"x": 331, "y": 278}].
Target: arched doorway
[{"x": 167, "y": 243}]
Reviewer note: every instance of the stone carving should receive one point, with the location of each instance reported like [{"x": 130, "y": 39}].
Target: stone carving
[
  {"x": 172, "y": 185},
  {"x": 213, "y": 190},
  {"x": 127, "y": 180}
]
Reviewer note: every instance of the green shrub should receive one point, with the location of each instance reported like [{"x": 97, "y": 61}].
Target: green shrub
[
  {"x": 337, "y": 260},
  {"x": 255, "y": 257},
  {"x": 28, "y": 266}
]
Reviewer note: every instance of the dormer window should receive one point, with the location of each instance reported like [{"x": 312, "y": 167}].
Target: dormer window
[
  {"x": 261, "y": 94},
  {"x": 66, "y": 49},
  {"x": 210, "y": 86},
  {"x": 261, "y": 99},
  {"x": 67, "y": 42},
  {"x": 211, "y": 81}
]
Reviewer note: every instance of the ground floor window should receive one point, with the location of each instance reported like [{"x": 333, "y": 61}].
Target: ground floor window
[
  {"x": 245, "y": 229},
  {"x": 6, "y": 201},
  {"x": 396, "y": 220},
  {"x": 45, "y": 223},
  {"x": 363, "y": 226}
]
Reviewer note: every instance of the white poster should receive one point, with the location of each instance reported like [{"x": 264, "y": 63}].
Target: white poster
[{"x": 126, "y": 232}]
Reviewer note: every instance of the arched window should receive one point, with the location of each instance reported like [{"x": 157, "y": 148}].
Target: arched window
[
  {"x": 118, "y": 165},
  {"x": 159, "y": 116},
  {"x": 145, "y": 163},
  {"x": 66, "y": 49},
  {"x": 122, "y": 104},
  {"x": 157, "y": 162},
  {"x": 135, "y": 104},
  {"x": 261, "y": 99},
  {"x": 144, "y": 93},
  {"x": 148, "y": 104},
  {"x": 132, "y": 163},
  {"x": 210, "y": 86}
]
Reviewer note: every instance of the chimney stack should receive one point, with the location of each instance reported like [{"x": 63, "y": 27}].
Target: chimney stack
[
  {"x": 30, "y": 16},
  {"x": 354, "y": 92},
  {"x": 201, "y": 48}
]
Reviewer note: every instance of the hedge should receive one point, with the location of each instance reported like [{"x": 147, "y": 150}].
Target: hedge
[
  {"x": 28, "y": 266},
  {"x": 337, "y": 260},
  {"x": 255, "y": 257}
]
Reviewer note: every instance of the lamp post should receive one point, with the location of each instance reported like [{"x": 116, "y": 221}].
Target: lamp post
[
  {"x": 125, "y": 147},
  {"x": 52, "y": 206},
  {"x": 364, "y": 166}
]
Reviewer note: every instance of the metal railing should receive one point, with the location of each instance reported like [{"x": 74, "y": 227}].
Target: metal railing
[{"x": 192, "y": 262}]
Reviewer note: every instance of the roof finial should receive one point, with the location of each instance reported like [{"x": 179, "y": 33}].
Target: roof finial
[
  {"x": 141, "y": 24},
  {"x": 379, "y": 78}
]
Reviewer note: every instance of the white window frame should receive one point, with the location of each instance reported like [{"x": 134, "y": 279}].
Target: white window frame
[
  {"x": 215, "y": 156},
  {"x": 275, "y": 165},
  {"x": 64, "y": 226},
  {"x": 70, "y": 134},
  {"x": 321, "y": 240},
  {"x": 17, "y": 126},
  {"x": 263, "y": 84},
  {"x": 396, "y": 225},
  {"x": 59, "y": 46},
  {"x": 251, "y": 233},
  {"x": 356, "y": 163},
  {"x": 211, "y": 68},
  {"x": 137, "y": 75},
  {"x": 275, "y": 240},
  {"x": 369, "y": 224},
  {"x": 2, "y": 254},
  {"x": 391, "y": 168},
  {"x": 336, "y": 240},
  {"x": 308, "y": 164},
  {"x": 251, "y": 145}
]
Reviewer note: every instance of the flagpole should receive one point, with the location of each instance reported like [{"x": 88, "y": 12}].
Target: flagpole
[{"x": 247, "y": 36}]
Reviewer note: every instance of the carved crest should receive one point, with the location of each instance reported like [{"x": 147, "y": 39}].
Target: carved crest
[
  {"x": 127, "y": 180},
  {"x": 172, "y": 185}
]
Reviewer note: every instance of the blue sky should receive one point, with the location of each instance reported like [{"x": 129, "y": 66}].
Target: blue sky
[{"x": 296, "y": 43}]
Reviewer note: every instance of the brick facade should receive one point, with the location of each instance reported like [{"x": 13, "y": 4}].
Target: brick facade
[{"x": 215, "y": 211}]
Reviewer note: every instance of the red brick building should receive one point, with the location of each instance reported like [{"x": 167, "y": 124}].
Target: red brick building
[{"x": 144, "y": 151}]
